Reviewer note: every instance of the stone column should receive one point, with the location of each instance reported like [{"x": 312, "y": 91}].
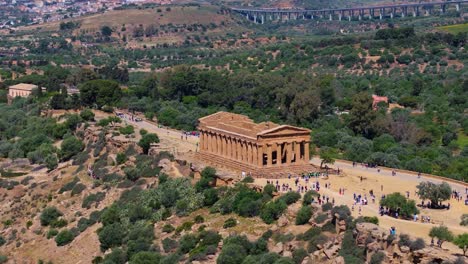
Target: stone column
[
  {"x": 306, "y": 152},
  {"x": 228, "y": 147},
  {"x": 234, "y": 148},
  {"x": 269, "y": 156},
  {"x": 288, "y": 153},
  {"x": 215, "y": 143},
  {"x": 239, "y": 150},
  {"x": 244, "y": 152},
  {"x": 247, "y": 152},
  {"x": 209, "y": 142},
  {"x": 205, "y": 141},
  {"x": 297, "y": 149},
  {"x": 225, "y": 144},
  {"x": 279, "y": 154},
  {"x": 260, "y": 151},
  {"x": 254, "y": 155},
  {"x": 201, "y": 141}
]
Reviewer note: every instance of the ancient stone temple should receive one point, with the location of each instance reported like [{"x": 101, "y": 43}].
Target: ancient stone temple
[{"x": 264, "y": 150}]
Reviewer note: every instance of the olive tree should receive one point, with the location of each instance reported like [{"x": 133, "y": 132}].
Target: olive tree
[
  {"x": 436, "y": 193},
  {"x": 442, "y": 233}
]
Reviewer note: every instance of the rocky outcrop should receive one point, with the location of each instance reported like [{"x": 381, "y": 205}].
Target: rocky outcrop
[{"x": 376, "y": 239}]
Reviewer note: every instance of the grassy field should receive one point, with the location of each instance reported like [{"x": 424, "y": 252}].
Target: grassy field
[
  {"x": 462, "y": 140},
  {"x": 454, "y": 29}
]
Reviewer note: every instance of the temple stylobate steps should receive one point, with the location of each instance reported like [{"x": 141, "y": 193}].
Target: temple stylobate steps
[{"x": 273, "y": 172}]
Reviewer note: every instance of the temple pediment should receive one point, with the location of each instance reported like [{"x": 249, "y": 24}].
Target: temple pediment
[{"x": 284, "y": 130}]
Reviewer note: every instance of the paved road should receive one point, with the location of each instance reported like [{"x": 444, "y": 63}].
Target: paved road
[{"x": 344, "y": 166}]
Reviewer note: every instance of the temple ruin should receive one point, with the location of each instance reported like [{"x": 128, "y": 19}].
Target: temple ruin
[{"x": 263, "y": 150}]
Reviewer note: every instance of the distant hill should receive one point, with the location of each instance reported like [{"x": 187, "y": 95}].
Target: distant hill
[{"x": 163, "y": 15}]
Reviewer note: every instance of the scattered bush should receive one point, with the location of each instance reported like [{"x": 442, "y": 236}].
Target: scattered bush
[
  {"x": 230, "y": 222},
  {"x": 64, "y": 237},
  {"x": 93, "y": 198},
  {"x": 304, "y": 215},
  {"x": 77, "y": 189},
  {"x": 121, "y": 158},
  {"x": 167, "y": 228},
  {"x": 377, "y": 258},
  {"x": 49, "y": 215},
  {"x": 290, "y": 197},
  {"x": 417, "y": 244},
  {"x": 51, "y": 233},
  {"x": 187, "y": 243},
  {"x": 169, "y": 245},
  {"x": 321, "y": 218},
  {"x": 309, "y": 234},
  {"x": 327, "y": 207},
  {"x": 248, "y": 179},
  {"x": 199, "y": 219},
  {"x": 69, "y": 186},
  {"x": 272, "y": 211},
  {"x": 298, "y": 255},
  {"x": 464, "y": 220},
  {"x": 315, "y": 241},
  {"x": 309, "y": 197}
]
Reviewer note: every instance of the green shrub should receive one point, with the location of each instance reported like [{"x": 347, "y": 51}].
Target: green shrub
[
  {"x": 350, "y": 251},
  {"x": 49, "y": 215},
  {"x": 377, "y": 258},
  {"x": 230, "y": 222},
  {"x": 145, "y": 257},
  {"x": 248, "y": 179},
  {"x": 3, "y": 259},
  {"x": 464, "y": 220},
  {"x": 111, "y": 235},
  {"x": 121, "y": 158},
  {"x": 127, "y": 130},
  {"x": 200, "y": 253},
  {"x": 309, "y": 234},
  {"x": 316, "y": 240},
  {"x": 231, "y": 254},
  {"x": 77, "y": 189},
  {"x": 199, "y": 219},
  {"x": 187, "y": 243},
  {"x": 327, "y": 207},
  {"x": 51, "y": 233},
  {"x": 169, "y": 245},
  {"x": 283, "y": 238},
  {"x": 167, "y": 228},
  {"x": 69, "y": 186},
  {"x": 368, "y": 219},
  {"x": 269, "y": 189},
  {"x": 58, "y": 223},
  {"x": 87, "y": 115},
  {"x": 290, "y": 197},
  {"x": 272, "y": 211},
  {"x": 417, "y": 244},
  {"x": 298, "y": 255},
  {"x": 146, "y": 141},
  {"x": 304, "y": 215},
  {"x": 309, "y": 197},
  {"x": 187, "y": 226},
  {"x": 64, "y": 237},
  {"x": 93, "y": 198},
  {"x": 70, "y": 147},
  {"x": 321, "y": 218},
  {"x": 209, "y": 238}
]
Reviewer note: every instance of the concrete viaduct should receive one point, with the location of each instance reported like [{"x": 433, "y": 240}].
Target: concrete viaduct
[{"x": 261, "y": 15}]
